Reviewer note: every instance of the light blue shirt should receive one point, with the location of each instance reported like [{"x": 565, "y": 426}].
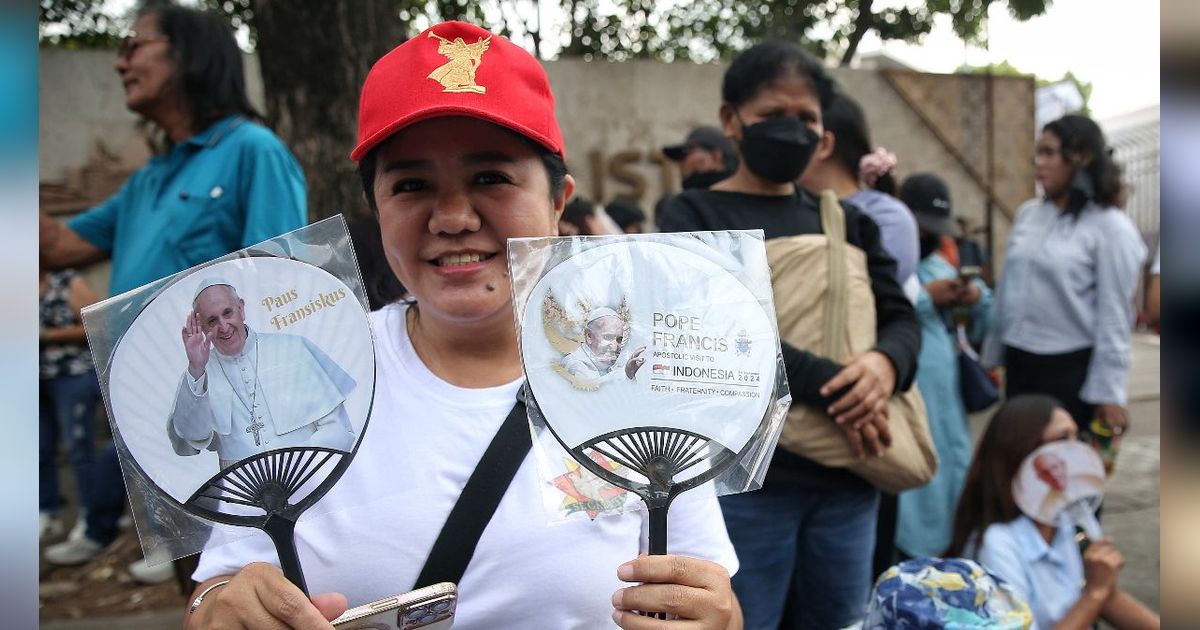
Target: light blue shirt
[
  {"x": 897, "y": 229},
  {"x": 1050, "y": 577},
  {"x": 926, "y": 513},
  {"x": 228, "y": 187},
  {"x": 1068, "y": 284}
]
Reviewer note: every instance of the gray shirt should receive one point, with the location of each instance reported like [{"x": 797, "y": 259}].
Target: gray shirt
[{"x": 1069, "y": 284}]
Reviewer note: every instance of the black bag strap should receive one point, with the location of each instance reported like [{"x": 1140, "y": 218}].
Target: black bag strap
[{"x": 455, "y": 544}]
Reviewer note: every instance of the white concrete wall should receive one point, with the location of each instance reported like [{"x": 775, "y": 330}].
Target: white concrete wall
[{"x": 82, "y": 103}]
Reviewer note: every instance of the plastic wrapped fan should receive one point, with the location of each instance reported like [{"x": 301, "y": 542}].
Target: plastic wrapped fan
[
  {"x": 282, "y": 401},
  {"x": 653, "y": 360}
]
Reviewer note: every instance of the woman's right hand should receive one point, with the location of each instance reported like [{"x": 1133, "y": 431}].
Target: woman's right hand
[
  {"x": 259, "y": 596},
  {"x": 1101, "y": 564}
]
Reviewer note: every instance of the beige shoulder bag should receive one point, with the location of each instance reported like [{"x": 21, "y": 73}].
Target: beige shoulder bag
[{"x": 824, "y": 303}]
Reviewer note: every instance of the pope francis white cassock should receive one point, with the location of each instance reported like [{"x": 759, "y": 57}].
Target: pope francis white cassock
[{"x": 255, "y": 391}]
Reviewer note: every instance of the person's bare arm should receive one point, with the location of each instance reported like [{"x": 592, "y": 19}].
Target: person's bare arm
[
  {"x": 1085, "y": 612},
  {"x": 1125, "y": 612},
  {"x": 60, "y": 246},
  {"x": 259, "y": 596}
]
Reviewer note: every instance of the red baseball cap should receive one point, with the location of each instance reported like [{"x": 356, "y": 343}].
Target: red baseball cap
[{"x": 457, "y": 69}]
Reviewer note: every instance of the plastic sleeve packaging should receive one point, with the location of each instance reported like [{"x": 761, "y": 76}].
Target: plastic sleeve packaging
[
  {"x": 303, "y": 304},
  {"x": 645, "y": 349}
]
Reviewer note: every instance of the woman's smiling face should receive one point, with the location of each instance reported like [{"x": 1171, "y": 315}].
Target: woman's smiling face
[{"x": 450, "y": 193}]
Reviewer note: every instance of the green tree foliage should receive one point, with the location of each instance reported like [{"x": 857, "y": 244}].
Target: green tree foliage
[
  {"x": 705, "y": 30},
  {"x": 77, "y": 24},
  {"x": 1004, "y": 68},
  {"x": 619, "y": 30},
  {"x": 241, "y": 12}
]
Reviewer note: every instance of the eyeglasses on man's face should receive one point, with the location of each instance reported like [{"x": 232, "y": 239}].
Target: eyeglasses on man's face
[{"x": 130, "y": 44}]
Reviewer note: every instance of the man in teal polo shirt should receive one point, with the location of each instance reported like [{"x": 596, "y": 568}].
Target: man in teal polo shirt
[
  {"x": 223, "y": 184},
  {"x": 230, "y": 186}
]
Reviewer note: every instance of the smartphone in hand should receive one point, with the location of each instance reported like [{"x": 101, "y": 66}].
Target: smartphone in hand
[{"x": 429, "y": 608}]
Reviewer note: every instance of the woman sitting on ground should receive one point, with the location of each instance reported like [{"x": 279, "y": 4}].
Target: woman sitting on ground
[{"x": 1066, "y": 589}]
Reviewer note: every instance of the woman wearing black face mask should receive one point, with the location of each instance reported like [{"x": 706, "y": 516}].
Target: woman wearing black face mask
[
  {"x": 805, "y": 539},
  {"x": 1064, "y": 305}
]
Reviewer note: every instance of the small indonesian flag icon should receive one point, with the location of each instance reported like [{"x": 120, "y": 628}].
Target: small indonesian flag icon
[{"x": 662, "y": 368}]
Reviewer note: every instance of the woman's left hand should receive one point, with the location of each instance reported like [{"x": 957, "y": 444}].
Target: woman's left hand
[
  {"x": 696, "y": 593},
  {"x": 874, "y": 380},
  {"x": 1115, "y": 416}
]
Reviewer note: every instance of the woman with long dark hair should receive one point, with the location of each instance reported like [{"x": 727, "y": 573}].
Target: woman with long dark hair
[
  {"x": 850, "y": 165},
  {"x": 1065, "y": 589},
  {"x": 1064, "y": 303}
]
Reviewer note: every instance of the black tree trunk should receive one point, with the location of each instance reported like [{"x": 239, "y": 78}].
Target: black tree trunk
[
  {"x": 863, "y": 23},
  {"x": 314, "y": 56}
]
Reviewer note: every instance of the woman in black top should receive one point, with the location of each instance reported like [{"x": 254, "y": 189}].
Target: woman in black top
[{"x": 806, "y": 537}]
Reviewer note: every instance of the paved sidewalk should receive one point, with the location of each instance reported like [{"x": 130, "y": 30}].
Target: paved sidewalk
[{"x": 1131, "y": 505}]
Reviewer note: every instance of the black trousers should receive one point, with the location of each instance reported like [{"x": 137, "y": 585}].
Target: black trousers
[{"x": 1057, "y": 375}]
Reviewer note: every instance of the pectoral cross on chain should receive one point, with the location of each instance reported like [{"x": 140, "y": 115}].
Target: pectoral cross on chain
[{"x": 255, "y": 428}]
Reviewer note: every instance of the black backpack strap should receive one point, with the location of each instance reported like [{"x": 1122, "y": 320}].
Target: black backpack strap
[{"x": 455, "y": 544}]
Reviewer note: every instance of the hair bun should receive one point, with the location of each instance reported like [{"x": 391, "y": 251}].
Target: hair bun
[{"x": 874, "y": 165}]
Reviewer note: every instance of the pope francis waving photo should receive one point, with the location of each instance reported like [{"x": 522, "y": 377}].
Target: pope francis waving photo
[{"x": 245, "y": 391}]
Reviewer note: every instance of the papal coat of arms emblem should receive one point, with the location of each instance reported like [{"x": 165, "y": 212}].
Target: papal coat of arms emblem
[{"x": 742, "y": 343}]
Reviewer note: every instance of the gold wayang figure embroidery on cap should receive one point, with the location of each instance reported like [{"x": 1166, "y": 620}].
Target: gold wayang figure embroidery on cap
[{"x": 458, "y": 74}]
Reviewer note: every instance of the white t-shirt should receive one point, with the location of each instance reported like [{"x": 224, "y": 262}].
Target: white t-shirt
[{"x": 369, "y": 537}]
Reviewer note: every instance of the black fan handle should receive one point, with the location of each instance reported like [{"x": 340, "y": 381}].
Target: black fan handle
[
  {"x": 658, "y": 529},
  {"x": 282, "y": 531},
  {"x": 657, "y": 544}
]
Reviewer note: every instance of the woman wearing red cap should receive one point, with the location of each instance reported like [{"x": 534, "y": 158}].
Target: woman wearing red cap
[{"x": 459, "y": 150}]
